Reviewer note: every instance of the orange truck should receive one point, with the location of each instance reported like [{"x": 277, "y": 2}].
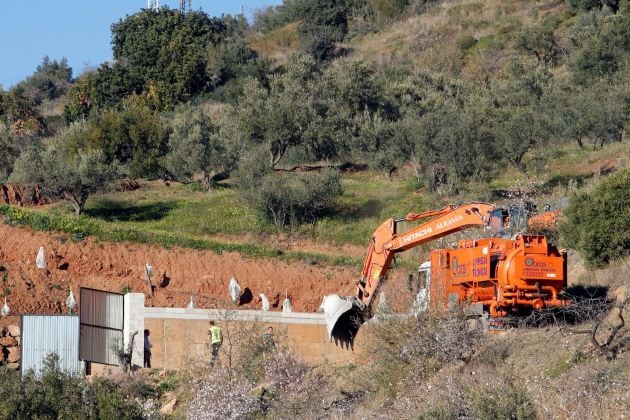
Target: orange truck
[{"x": 499, "y": 275}]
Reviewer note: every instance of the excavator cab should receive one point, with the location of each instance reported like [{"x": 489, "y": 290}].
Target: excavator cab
[
  {"x": 518, "y": 218},
  {"x": 505, "y": 222}
]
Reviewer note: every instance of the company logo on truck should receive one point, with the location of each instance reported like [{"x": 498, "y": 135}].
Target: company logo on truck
[
  {"x": 456, "y": 268},
  {"x": 442, "y": 225},
  {"x": 538, "y": 269},
  {"x": 530, "y": 262}
]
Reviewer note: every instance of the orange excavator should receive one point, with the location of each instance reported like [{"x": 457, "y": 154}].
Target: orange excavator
[{"x": 500, "y": 275}]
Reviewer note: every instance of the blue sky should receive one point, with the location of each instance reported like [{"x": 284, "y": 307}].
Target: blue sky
[{"x": 77, "y": 29}]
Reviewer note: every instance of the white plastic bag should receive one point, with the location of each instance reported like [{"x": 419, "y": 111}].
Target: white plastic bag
[
  {"x": 286, "y": 305},
  {"x": 235, "y": 290},
  {"x": 5, "y": 308},
  {"x": 421, "y": 302},
  {"x": 382, "y": 303},
  {"x": 148, "y": 271},
  {"x": 191, "y": 304},
  {"x": 41, "y": 258},
  {"x": 265, "y": 302},
  {"x": 71, "y": 302}
]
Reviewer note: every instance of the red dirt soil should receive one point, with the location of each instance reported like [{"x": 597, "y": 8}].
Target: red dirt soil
[{"x": 179, "y": 273}]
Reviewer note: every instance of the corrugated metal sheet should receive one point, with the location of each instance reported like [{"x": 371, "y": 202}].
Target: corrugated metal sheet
[
  {"x": 45, "y": 334},
  {"x": 100, "y": 345},
  {"x": 101, "y": 325},
  {"x": 101, "y": 309}
]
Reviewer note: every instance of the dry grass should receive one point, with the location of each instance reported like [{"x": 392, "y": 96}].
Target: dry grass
[
  {"x": 52, "y": 108},
  {"x": 213, "y": 109},
  {"x": 538, "y": 372},
  {"x": 428, "y": 40},
  {"x": 279, "y": 44},
  {"x": 613, "y": 277}
]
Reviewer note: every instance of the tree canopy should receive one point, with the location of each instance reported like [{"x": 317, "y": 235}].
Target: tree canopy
[{"x": 596, "y": 222}]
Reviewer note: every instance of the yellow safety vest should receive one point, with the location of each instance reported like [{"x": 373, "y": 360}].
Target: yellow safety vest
[{"x": 216, "y": 334}]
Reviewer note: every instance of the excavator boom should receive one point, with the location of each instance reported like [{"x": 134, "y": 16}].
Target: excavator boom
[{"x": 344, "y": 315}]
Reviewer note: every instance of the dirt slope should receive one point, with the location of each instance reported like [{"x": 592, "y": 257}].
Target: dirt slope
[{"x": 180, "y": 273}]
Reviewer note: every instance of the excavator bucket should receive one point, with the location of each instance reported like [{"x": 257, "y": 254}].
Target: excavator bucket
[{"x": 343, "y": 319}]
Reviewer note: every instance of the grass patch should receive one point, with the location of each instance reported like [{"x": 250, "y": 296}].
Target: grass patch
[
  {"x": 562, "y": 366},
  {"x": 278, "y": 43},
  {"x": 81, "y": 227},
  {"x": 367, "y": 201},
  {"x": 179, "y": 215}
]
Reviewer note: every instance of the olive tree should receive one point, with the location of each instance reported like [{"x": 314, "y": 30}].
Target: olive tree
[
  {"x": 601, "y": 41},
  {"x": 286, "y": 200},
  {"x": 539, "y": 42},
  {"x": 596, "y": 222},
  {"x": 64, "y": 172},
  {"x": 274, "y": 118},
  {"x": 596, "y": 113},
  {"x": 72, "y": 178},
  {"x": 8, "y": 152},
  {"x": 195, "y": 146}
]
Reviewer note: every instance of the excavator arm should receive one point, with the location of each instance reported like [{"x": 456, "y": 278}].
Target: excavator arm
[{"x": 344, "y": 315}]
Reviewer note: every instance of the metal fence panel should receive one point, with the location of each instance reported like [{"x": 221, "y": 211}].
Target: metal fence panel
[
  {"x": 100, "y": 345},
  {"x": 46, "y": 334},
  {"x": 101, "y": 329},
  {"x": 100, "y": 308}
]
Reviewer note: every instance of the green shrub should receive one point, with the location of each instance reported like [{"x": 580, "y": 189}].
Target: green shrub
[
  {"x": 596, "y": 223},
  {"x": 54, "y": 393},
  {"x": 465, "y": 42},
  {"x": 109, "y": 402},
  {"x": 9, "y": 393},
  {"x": 78, "y": 227},
  {"x": 500, "y": 403},
  {"x": 289, "y": 199},
  {"x": 494, "y": 353},
  {"x": 169, "y": 383}
]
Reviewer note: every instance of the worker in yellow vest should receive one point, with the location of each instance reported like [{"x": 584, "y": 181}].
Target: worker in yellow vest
[{"x": 216, "y": 339}]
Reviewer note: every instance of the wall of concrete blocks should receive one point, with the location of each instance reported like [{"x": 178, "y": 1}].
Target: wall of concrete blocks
[
  {"x": 180, "y": 335},
  {"x": 133, "y": 321}
]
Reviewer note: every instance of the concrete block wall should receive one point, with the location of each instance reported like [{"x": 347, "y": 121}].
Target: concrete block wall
[
  {"x": 179, "y": 335},
  {"x": 133, "y": 320}
]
